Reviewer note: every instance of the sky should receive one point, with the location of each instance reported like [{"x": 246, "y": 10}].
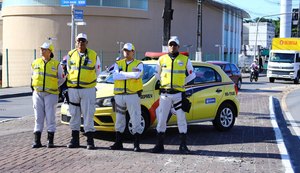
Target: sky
[{"x": 259, "y": 8}]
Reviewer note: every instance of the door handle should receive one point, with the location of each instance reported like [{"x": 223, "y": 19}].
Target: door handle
[{"x": 218, "y": 90}]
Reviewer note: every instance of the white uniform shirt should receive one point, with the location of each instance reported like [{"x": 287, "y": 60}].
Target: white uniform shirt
[{"x": 122, "y": 75}]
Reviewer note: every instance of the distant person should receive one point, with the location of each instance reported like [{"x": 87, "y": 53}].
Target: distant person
[
  {"x": 174, "y": 71},
  {"x": 128, "y": 87},
  {"x": 260, "y": 64},
  {"x": 63, "y": 88},
  {"x": 83, "y": 68},
  {"x": 47, "y": 76}
]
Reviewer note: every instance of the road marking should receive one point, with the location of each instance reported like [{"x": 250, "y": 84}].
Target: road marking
[
  {"x": 279, "y": 140},
  {"x": 294, "y": 125}
]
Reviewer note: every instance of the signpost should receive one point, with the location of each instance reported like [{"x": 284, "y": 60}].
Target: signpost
[{"x": 77, "y": 15}]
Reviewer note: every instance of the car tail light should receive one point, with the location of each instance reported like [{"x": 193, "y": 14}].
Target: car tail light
[{"x": 236, "y": 89}]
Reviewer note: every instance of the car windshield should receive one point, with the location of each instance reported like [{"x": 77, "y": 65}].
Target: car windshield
[
  {"x": 149, "y": 70},
  {"x": 282, "y": 57}
]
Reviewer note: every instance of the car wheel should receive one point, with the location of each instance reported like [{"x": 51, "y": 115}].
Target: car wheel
[
  {"x": 296, "y": 80},
  {"x": 239, "y": 84},
  {"x": 225, "y": 117},
  {"x": 144, "y": 122},
  {"x": 271, "y": 80}
]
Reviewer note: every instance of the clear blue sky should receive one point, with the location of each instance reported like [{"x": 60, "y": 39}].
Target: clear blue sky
[{"x": 259, "y": 8}]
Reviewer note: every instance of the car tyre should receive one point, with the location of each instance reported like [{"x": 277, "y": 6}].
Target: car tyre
[
  {"x": 296, "y": 80},
  {"x": 272, "y": 80},
  {"x": 225, "y": 117},
  {"x": 145, "y": 122}
]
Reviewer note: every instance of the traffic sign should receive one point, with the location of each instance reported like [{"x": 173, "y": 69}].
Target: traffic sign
[
  {"x": 67, "y": 3},
  {"x": 78, "y": 15}
]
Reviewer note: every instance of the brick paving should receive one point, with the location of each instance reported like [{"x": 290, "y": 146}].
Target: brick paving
[{"x": 249, "y": 147}]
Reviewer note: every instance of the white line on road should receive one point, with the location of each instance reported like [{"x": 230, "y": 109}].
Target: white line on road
[
  {"x": 294, "y": 125},
  {"x": 279, "y": 139}
]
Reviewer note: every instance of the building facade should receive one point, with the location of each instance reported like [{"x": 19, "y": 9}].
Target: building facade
[{"x": 109, "y": 23}]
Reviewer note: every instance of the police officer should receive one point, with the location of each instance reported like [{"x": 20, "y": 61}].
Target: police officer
[
  {"x": 83, "y": 68},
  {"x": 174, "y": 70},
  {"x": 128, "y": 86},
  {"x": 47, "y": 76}
]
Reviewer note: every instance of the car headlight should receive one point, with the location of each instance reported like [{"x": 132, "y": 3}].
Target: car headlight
[{"x": 103, "y": 102}]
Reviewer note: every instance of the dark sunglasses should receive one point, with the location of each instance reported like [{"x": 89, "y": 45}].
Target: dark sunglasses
[
  {"x": 173, "y": 44},
  {"x": 81, "y": 40}
]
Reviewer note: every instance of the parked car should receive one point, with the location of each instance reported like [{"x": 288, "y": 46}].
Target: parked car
[
  {"x": 231, "y": 70},
  {"x": 212, "y": 93}
]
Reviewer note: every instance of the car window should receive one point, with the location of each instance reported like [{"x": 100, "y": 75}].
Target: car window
[
  {"x": 234, "y": 68},
  {"x": 205, "y": 74},
  {"x": 227, "y": 68},
  {"x": 149, "y": 70}
]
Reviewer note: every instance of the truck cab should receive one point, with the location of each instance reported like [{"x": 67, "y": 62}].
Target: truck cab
[{"x": 284, "y": 60}]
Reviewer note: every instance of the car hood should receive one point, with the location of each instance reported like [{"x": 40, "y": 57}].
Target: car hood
[{"x": 104, "y": 90}]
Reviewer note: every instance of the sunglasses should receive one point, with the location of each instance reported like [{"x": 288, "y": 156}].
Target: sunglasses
[
  {"x": 81, "y": 40},
  {"x": 173, "y": 44}
]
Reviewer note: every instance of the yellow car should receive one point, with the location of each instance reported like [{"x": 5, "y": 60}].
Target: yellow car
[{"x": 212, "y": 93}]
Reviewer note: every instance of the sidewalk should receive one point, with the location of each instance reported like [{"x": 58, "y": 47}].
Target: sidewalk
[{"x": 15, "y": 92}]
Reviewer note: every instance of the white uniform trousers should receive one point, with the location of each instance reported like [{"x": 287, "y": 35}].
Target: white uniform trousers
[
  {"x": 44, "y": 106},
  {"x": 86, "y": 97},
  {"x": 165, "y": 103},
  {"x": 133, "y": 104}
]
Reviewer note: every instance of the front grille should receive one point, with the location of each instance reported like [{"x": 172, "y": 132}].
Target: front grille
[
  {"x": 280, "y": 72},
  {"x": 106, "y": 119}
]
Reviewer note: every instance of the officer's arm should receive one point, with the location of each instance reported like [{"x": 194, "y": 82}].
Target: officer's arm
[
  {"x": 137, "y": 72},
  {"x": 157, "y": 70},
  {"x": 190, "y": 72},
  {"x": 61, "y": 75}
]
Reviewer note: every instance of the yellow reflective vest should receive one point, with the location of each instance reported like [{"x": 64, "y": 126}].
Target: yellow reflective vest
[
  {"x": 45, "y": 75},
  {"x": 129, "y": 86},
  {"x": 81, "y": 70},
  {"x": 173, "y": 72}
]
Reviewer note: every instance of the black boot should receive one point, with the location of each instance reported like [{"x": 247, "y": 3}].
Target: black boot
[
  {"x": 183, "y": 148},
  {"x": 118, "y": 145},
  {"x": 74, "y": 143},
  {"x": 159, "y": 146},
  {"x": 90, "y": 140},
  {"x": 50, "y": 143},
  {"x": 136, "y": 144},
  {"x": 37, "y": 140}
]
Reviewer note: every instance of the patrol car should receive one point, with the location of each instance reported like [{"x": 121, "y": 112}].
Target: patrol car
[{"x": 212, "y": 93}]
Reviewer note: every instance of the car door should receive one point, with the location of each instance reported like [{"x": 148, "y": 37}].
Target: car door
[
  {"x": 235, "y": 73},
  {"x": 206, "y": 93}
]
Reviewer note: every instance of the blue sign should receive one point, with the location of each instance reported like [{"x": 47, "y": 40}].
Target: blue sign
[
  {"x": 78, "y": 15},
  {"x": 210, "y": 100},
  {"x": 66, "y": 3}
]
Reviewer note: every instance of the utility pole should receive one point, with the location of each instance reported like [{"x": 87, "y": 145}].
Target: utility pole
[
  {"x": 167, "y": 16},
  {"x": 199, "y": 31},
  {"x": 298, "y": 24}
]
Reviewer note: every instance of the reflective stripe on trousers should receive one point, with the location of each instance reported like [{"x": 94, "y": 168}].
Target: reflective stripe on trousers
[
  {"x": 44, "y": 107},
  {"x": 165, "y": 103},
  {"x": 87, "y": 98},
  {"x": 133, "y": 104}
]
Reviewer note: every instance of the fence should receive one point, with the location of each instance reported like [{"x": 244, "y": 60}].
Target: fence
[{"x": 16, "y": 67}]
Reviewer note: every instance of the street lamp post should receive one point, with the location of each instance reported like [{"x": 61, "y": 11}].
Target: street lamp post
[
  {"x": 255, "y": 45},
  {"x": 220, "y": 46},
  {"x": 120, "y": 43}
]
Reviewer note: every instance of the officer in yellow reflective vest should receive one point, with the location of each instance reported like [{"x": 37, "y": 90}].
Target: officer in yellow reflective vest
[
  {"x": 174, "y": 70},
  {"x": 83, "y": 67},
  {"x": 47, "y": 76},
  {"x": 128, "y": 86}
]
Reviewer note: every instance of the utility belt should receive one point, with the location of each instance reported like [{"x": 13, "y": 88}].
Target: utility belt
[{"x": 169, "y": 91}]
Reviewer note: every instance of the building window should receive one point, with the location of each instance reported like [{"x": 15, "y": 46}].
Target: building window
[{"x": 131, "y": 4}]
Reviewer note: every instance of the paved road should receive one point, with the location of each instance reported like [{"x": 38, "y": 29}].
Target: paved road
[{"x": 249, "y": 147}]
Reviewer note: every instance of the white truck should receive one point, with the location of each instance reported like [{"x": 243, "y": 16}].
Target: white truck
[{"x": 284, "y": 60}]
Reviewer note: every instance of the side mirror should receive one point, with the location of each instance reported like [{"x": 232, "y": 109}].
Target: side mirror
[{"x": 157, "y": 85}]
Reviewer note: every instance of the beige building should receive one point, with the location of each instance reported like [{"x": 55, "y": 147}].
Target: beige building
[{"x": 28, "y": 23}]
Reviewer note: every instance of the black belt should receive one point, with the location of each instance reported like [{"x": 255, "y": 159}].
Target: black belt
[{"x": 169, "y": 91}]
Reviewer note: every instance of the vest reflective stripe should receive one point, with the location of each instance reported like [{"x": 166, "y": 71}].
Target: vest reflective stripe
[
  {"x": 44, "y": 76},
  {"x": 173, "y": 72},
  {"x": 129, "y": 86},
  {"x": 81, "y": 75}
]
